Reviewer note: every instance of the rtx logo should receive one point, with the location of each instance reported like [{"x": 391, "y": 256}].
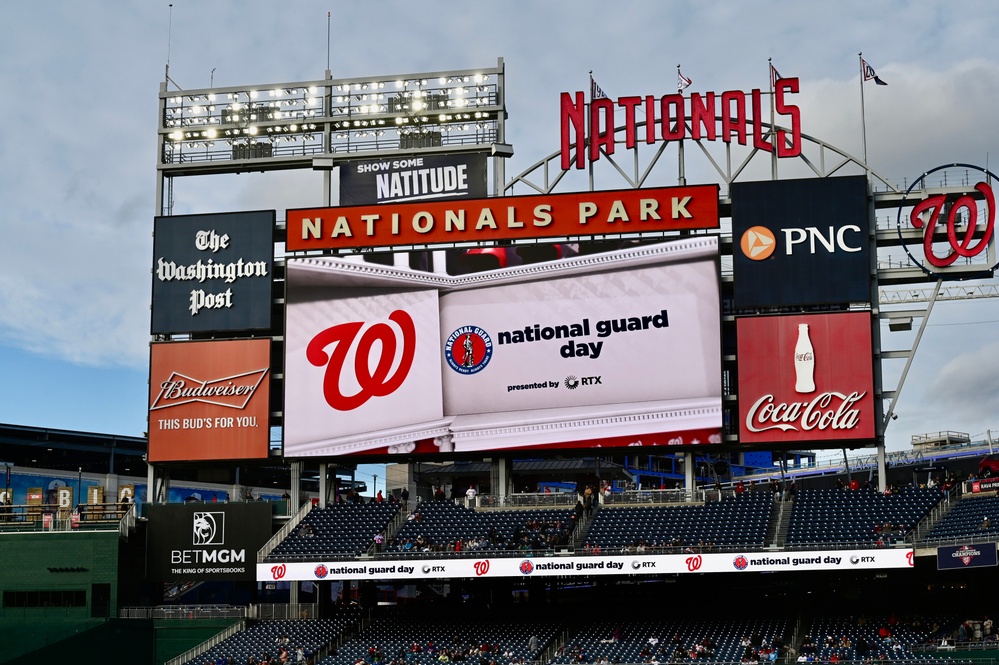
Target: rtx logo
[
  {"x": 572, "y": 382},
  {"x": 861, "y": 559},
  {"x": 209, "y": 528}
]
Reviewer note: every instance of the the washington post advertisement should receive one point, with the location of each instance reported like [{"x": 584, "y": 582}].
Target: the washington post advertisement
[{"x": 603, "y": 350}]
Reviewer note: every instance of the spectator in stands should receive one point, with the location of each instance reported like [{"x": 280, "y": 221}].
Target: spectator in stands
[
  {"x": 404, "y": 495},
  {"x": 986, "y": 523},
  {"x": 588, "y": 501},
  {"x": 470, "y": 496}
]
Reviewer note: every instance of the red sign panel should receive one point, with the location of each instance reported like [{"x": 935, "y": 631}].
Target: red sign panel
[
  {"x": 806, "y": 378},
  {"x": 505, "y": 218},
  {"x": 209, "y": 400}
]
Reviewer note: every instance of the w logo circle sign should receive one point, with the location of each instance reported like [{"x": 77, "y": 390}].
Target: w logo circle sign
[{"x": 375, "y": 353}]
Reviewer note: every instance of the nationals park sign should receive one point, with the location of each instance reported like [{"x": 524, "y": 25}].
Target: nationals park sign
[
  {"x": 709, "y": 117},
  {"x": 577, "y": 214}
]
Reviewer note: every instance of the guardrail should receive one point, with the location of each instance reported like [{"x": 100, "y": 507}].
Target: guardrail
[
  {"x": 186, "y": 612},
  {"x": 208, "y": 644},
  {"x": 283, "y": 532},
  {"x": 276, "y": 611},
  {"x": 569, "y": 499},
  {"x": 52, "y": 517}
]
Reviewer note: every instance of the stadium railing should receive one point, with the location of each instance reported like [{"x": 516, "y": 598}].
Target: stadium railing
[
  {"x": 205, "y": 646},
  {"x": 52, "y": 517},
  {"x": 183, "y": 612},
  {"x": 275, "y": 611},
  {"x": 283, "y": 532}
]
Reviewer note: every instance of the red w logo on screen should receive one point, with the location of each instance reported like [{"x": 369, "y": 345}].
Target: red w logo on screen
[
  {"x": 694, "y": 563},
  {"x": 373, "y": 383}
]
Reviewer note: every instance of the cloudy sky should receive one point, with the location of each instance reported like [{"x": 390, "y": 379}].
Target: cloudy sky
[{"x": 78, "y": 146}]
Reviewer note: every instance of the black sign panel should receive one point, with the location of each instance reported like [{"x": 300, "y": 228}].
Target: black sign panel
[
  {"x": 801, "y": 242},
  {"x": 416, "y": 178},
  {"x": 206, "y": 541},
  {"x": 212, "y": 272},
  {"x": 977, "y": 555}
]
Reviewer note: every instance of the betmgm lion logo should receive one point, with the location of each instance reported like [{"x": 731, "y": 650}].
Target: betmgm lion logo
[{"x": 209, "y": 528}]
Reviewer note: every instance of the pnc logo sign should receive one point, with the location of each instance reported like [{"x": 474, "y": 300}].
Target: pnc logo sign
[
  {"x": 801, "y": 242},
  {"x": 759, "y": 242}
]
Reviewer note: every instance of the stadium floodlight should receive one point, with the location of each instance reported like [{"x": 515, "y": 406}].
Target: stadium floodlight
[{"x": 311, "y": 117}]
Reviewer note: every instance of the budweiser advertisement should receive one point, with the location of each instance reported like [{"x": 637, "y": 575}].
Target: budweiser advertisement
[
  {"x": 209, "y": 400},
  {"x": 806, "y": 378},
  {"x": 620, "y": 349},
  {"x": 801, "y": 242},
  {"x": 575, "y": 215},
  {"x": 947, "y": 230}
]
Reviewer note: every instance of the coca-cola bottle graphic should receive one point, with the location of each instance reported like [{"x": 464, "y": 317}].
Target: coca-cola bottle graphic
[{"x": 804, "y": 362}]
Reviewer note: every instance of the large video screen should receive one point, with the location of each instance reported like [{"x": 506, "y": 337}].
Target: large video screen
[{"x": 604, "y": 350}]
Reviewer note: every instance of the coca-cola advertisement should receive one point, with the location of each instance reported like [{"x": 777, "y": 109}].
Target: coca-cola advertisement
[
  {"x": 806, "y": 378},
  {"x": 209, "y": 400}
]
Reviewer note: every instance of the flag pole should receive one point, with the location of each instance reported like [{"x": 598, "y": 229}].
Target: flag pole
[
  {"x": 586, "y": 146},
  {"x": 682, "y": 175},
  {"x": 773, "y": 128},
  {"x": 863, "y": 113}
]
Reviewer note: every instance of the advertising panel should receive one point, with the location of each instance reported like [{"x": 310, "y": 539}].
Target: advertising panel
[
  {"x": 416, "y": 178},
  {"x": 585, "y": 340},
  {"x": 805, "y": 378},
  {"x": 586, "y": 566},
  {"x": 209, "y": 400},
  {"x": 985, "y": 485},
  {"x": 586, "y": 352},
  {"x": 206, "y": 541},
  {"x": 975, "y": 555},
  {"x": 212, "y": 272},
  {"x": 577, "y": 214},
  {"x": 801, "y": 242}
]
